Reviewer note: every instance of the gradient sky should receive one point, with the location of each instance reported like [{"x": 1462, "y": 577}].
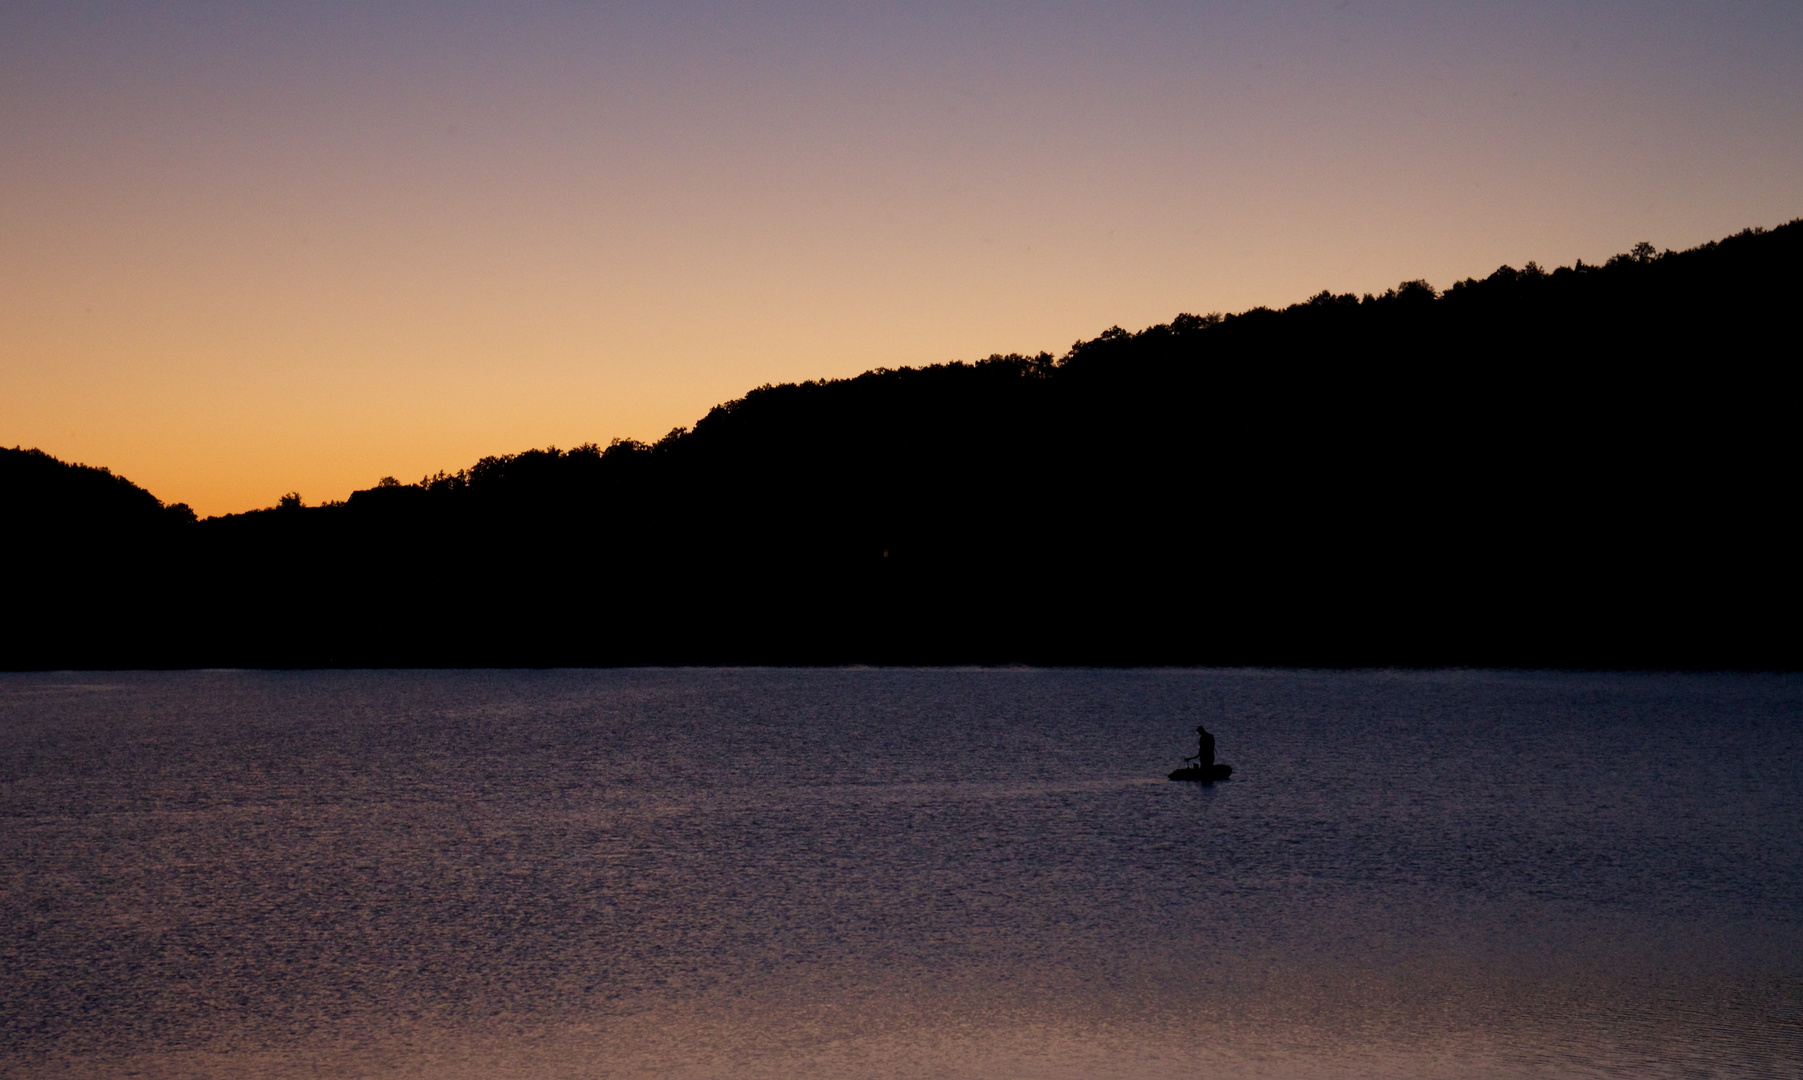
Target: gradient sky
[{"x": 249, "y": 248}]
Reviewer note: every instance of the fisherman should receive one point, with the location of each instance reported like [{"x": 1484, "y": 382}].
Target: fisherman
[{"x": 1205, "y": 748}]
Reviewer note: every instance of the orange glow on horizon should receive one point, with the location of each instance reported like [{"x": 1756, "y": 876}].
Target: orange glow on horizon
[{"x": 303, "y": 252}]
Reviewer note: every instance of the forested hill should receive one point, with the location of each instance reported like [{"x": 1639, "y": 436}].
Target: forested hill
[{"x": 1592, "y": 467}]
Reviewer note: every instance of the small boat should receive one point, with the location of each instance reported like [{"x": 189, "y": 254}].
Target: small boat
[{"x": 1203, "y": 774}]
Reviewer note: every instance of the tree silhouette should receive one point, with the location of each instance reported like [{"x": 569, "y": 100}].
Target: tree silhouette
[{"x": 1581, "y": 467}]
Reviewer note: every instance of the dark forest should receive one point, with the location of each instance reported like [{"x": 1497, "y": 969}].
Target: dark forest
[{"x": 1591, "y": 467}]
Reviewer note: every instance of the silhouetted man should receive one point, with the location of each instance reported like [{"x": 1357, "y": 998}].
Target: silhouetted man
[{"x": 1205, "y": 748}]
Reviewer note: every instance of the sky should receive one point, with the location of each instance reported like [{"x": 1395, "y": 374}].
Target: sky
[{"x": 249, "y": 248}]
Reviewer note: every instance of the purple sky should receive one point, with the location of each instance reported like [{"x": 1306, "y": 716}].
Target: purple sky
[{"x": 252, "y": 248}]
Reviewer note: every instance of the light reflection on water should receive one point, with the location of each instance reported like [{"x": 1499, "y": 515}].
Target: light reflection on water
[{"x": 900, "y": 873}]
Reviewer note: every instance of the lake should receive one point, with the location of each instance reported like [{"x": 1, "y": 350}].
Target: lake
[{"x": 900, "y": 873}]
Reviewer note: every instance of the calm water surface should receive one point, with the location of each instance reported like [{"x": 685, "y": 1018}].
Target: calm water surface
[{"x": 899, "y": 873}]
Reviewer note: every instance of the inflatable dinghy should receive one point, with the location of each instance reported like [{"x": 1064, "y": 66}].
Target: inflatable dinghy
[{"x": 1203, "y": 774}]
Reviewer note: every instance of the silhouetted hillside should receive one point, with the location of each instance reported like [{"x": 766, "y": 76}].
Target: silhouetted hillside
[
  {"x": 87, "y": 557},
  {"x": 46, "y": 497},
  {"x": 1587, "y": 467}
]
